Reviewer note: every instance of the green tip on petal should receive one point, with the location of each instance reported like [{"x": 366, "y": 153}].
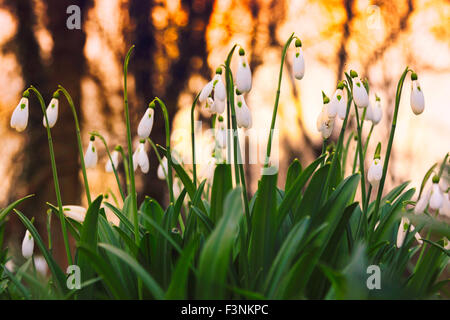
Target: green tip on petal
[
  {"x": 413, "y": 76},
  {"x": 142, "y": 141},
  {"x": 298, "y": 43},
  {"x": 220, "y": 118},
  {"x": 340, "y": 85},
  {"x": 377, "y": 151},
  {"x": 325, "y": 98},
  {"x": 238, "y": 92},
  {"x": 436, "y": 178},
  {"x": 219, "y": 70},
  {"x": 377, "y": 98},
  {"x": 92, "y": 138},
  {"x": 353, "y": 74},
  {"x": 241, "y": 52}
]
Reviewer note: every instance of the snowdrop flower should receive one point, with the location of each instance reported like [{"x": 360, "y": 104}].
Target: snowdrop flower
[
  {"x": 206, "y": 91},
  {"x": 374, "y": 112},
  {"x": 162, "y": 169},
  {"x": 338, "y": 103},
  {"x": 445, "y": 210},
  {"x": 214, "y": 104},
  {"x": 140, "y": 158},
  {"x": 243, "y": 114},
  {"x": 298, "y": 66},
  {"x": 243, "y": 75},
  {"x": 375, "y": 171},
  {"x": 401, "y": 233},
  {"x": 360, "y": 95},
  {"x": 417, "y": 99},
  {"x": 221, "y": 133},
  {"x": 10, "y": 265},
  {"x": 52, "y": 111},
  {"x": 19, "y": 118},
  {"x": 219, "y": 88},
  {"x": 146, "y": 123},
  {"x": 115, "y": 161},
  {"x": 27, "y": 245},
  {"x": 76, "y": 213},
  {"x": 432, "y": 197},
  {"x": 207, "y": 171},
  {"x": 91, "y": 157},
  {"x": 324, "y": 123},
  {"x": 41, "y": 265}
]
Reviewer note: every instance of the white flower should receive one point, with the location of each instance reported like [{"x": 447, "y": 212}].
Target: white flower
[
  {"x": 324, "y": 123},
  {"x": 207, "y": 171},
  {"x": 52, "y": 113},
  {"x": 27, "y": 245},
  {"x": 19, "y": 118},
  {"x": 140, "y": 158},
  {"x": 375, "y": 112},
  {"x": 243, "y": 75},
  {"x": 298, "y": 66},
  {"x": 209, "y": 105},
  {"x": 401, "y": 233},
  {"x": 417, "y": 99},
  {"x": 243, "y": 114},
  {"x": 162, "y": 169},
  {"x": 76, "y": 213},
  {"x": 375, "y": 172},
  {"x": 221, "y": 133},
  {"x": 445, "y": 210},
  {"x": 218, "y": 106},
  {"x": 10, "y": 265},
  {"x": 360, "y": 95},
  {"x": 337, "y": 105},
  {"x": 146, "y": 123},
  {"x": 422, "y": 203},
  {"x": 41, "y": 265},
  {"x": 115, "y": 161},
  {"x": 91, "y": 157},
  {"x": 443, "y": 184},
  {"x": 206, "y": 91},
  {"x": 219, "y": 88},
  {"x": 436, "y": 197}
]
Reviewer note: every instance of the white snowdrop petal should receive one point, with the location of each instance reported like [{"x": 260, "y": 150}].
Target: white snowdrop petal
[
  {"x": 143, "y": 160},
  {"x": 27, "y": 245},
  {"x": 417, "y": 99},
  {"x": 162, "y": 169},
  {"x": 90, "y": 157},
  {"x": 445, "y": 210},
  {"x": 436, "y": 197},
  {"x": 19, "y": 118},
  {"x": 243, "y": 76},
  {"x": 115, "y": 161},
  {"x": 219, "y": 88},
  {"x": 298, "y": 66},
  {"x": 422, "y": 203},
  {"x": 206, "y": 91},
  {"x": 76, "y": 213},
  {"x": 146, "y": 124},
  {"x": 360, "y": 95},
  {"x": 401, "y": 233},
  {"x": 377, "y": 113},
  {"x": 52, "y": 113},
  {"x": 219, "y": 106},
  {"x": 41, "y": 265}
]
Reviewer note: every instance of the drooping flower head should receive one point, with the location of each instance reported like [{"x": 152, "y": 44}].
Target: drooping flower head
[
  {"x": 375, "y": 171},
  {"x": 374, "y": 112},
  {"x": 214, "y": 93},
  {"x": 19, "y": 118},
  {"x": 162, "y": 169},
  {"x": 90, "y": 156},
  {"x": 432, "y": 197},
  {"x": 338, "y": 103},
  {"x": 140, "y": 158},
  {"x": 417, "y": 98},
  {"x": 243, "y": 114},
  {"x": 298, "y": 66},
  {"x": 244, "y": 74},
  {"x": 403, "y": 229},
  {"x": 115, "y": 161},
  {"x": 360, "y": 95},
  {"x": 146, "y": 123},
  {"x": 221, "y": 133},
  {"x": 52, "y": 111},
  {"x": 324, "y": 123},
  {"x": 27, "y": 245}
]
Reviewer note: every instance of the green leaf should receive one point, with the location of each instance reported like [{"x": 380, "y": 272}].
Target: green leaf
[
  {"x": 5, "y": 211},
  {"x": 294, "y": 171},
  {"x": 215, "y": 257},
  {"x": 221, "y": 186}
]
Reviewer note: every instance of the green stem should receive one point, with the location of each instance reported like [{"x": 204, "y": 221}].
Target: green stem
[
  {"x": 194, "y": 164},
  {"x": 277, "y": 99},
  {"x": 160, "y": 161},
  {"x": 391, "y": 140},
  {"x": 169, "y": 151},
  {"x": 55, "y": 176},
  {"x": 130, "y": 149},
  {"x": 125, "y": 167},
  {"x": 361, "y": 159},
  {"x": 112, "y": 163},
  {"x": 367, "y": 140},
  {"x": 80, "y": 146}
]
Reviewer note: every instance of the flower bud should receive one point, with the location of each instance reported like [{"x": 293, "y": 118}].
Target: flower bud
[
  {"x": 243, "y": 74},
  {"x": 19, "y": 118},
  {"x": 115, "y": 161},
  {"x": 146, "y": 123},
  {"x": 162, "y": 169},
  {"x": 52, "y": 113},
  {"x": 27, "y": 245},
  {"x": 90, "y": 156},
  {"x": 417, "y": 98}
]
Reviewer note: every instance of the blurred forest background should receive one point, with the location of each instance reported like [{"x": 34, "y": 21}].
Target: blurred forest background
[{"x": 178, "y": 46}]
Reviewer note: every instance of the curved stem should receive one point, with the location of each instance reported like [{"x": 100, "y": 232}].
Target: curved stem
[
  {"x": 112, "y": 163},
  {"x": 80, "y": 147},
  {"x": 194, "y": 165},
  {"x": 130, "y": 148},
  {"x": 55, "y": 177},
  {"x": 277, "y": 99},
  {"x": 391, "y": 140},
  {"x": 169, "y": 151},
  {"x": 361, "y": 160}
]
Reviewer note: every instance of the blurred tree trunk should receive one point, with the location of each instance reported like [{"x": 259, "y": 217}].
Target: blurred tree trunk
[
  {"x": 65, "y": 67},
  {"x": 192, "y": 44}
]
